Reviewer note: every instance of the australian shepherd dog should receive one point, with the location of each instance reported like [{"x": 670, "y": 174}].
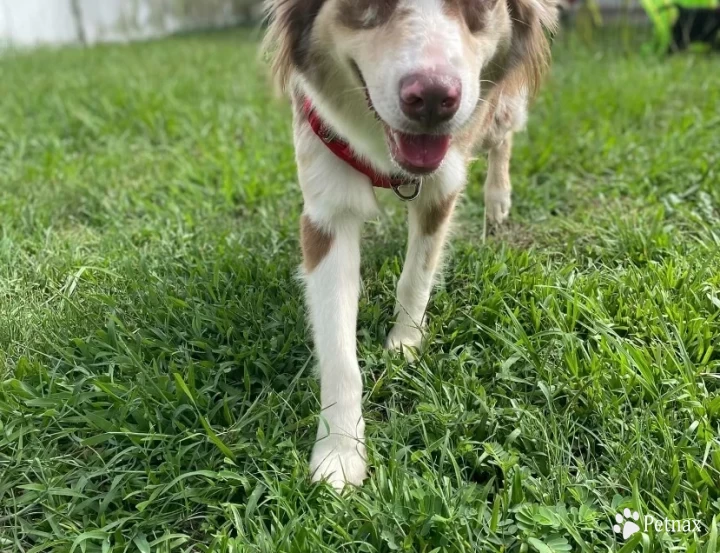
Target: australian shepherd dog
[{"x": 398, "y": 95}]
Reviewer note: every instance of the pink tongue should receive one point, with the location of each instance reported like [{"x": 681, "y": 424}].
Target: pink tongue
[{"x": 421, "y": 151}]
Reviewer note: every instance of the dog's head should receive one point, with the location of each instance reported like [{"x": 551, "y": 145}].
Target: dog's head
[{"x": 421, "y": 67}]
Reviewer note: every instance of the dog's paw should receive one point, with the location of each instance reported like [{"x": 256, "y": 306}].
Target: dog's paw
[
  {"x": 497, "y": 205},
  {"x": 497, "y": 208},
  {"x": 408, "y": 339},
  {"x": 339, "y": 460}
]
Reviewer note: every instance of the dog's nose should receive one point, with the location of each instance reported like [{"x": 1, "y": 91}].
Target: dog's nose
[{"x": 430, "y": 99}]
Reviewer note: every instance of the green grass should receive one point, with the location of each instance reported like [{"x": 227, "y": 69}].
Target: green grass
[{"x": 156, "y": 374}]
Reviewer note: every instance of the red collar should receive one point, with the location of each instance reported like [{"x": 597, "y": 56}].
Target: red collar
[{"x": 344, "y": 151}]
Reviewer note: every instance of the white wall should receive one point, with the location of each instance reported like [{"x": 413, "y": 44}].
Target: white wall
[
  {"x": 25, "y": 22},
  {"x": 33, "y": 22}
]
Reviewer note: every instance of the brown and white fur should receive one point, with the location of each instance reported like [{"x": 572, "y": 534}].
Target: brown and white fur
[{"x": 350, "y": 57}]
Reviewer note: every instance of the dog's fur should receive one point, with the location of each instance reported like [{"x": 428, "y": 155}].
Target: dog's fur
[{"x": 343, "y": 54}]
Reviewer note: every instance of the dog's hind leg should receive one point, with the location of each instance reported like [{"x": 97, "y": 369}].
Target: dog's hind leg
[
  {"x": 498, "y": 188},
  {"x": 508, "y": 116}
]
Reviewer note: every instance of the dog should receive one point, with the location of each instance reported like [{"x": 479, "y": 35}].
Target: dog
[
  {"x": 695, "y": 25},
  {"x": 398, "y": 95}
]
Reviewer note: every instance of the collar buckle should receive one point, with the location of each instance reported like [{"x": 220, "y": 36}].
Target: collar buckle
[{"x": 396, "y": 186}]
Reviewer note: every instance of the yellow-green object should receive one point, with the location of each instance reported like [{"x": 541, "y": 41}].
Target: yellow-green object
[{"x": 663, "y": 14}]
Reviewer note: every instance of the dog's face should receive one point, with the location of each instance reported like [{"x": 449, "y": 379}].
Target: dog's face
[
  {"x": 420, "y": 62},
  {"x": 419, "y": 65}
]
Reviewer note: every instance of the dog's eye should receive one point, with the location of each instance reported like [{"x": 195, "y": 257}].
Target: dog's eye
[
  {"x": 365, "y": 14},
  {"x": 473, "y": 12}
]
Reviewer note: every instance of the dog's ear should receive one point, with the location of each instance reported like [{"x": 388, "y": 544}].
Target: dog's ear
[
  {"x": 529, "y": 51},
  {"x": 289, "y": 35}
]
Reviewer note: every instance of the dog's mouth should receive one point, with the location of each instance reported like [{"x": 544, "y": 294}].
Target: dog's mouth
[
  {"x": 419, "y": 154},
  {"x": 415, "y": 153}
]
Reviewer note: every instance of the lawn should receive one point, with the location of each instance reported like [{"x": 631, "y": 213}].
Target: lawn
[{"x": 156, "y": 373}]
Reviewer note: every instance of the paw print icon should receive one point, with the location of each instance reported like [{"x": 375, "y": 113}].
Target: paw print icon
[{"x": 627, "y": 523}]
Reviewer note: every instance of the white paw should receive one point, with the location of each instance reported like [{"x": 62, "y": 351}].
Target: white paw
[
  {"x": 339, "y": 460},
  {"x": 407, "y": 339},
  {"x": 497, "y": 205}
]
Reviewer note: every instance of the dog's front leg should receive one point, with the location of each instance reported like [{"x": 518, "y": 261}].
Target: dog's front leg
[
  {"x": 428, "y": 221},
  {"x": 331, "y": 252},
  {"x": 338, "y": 200}
]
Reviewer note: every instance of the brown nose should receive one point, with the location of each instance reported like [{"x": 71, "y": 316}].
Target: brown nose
[{"x": 430, "y": 99}]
